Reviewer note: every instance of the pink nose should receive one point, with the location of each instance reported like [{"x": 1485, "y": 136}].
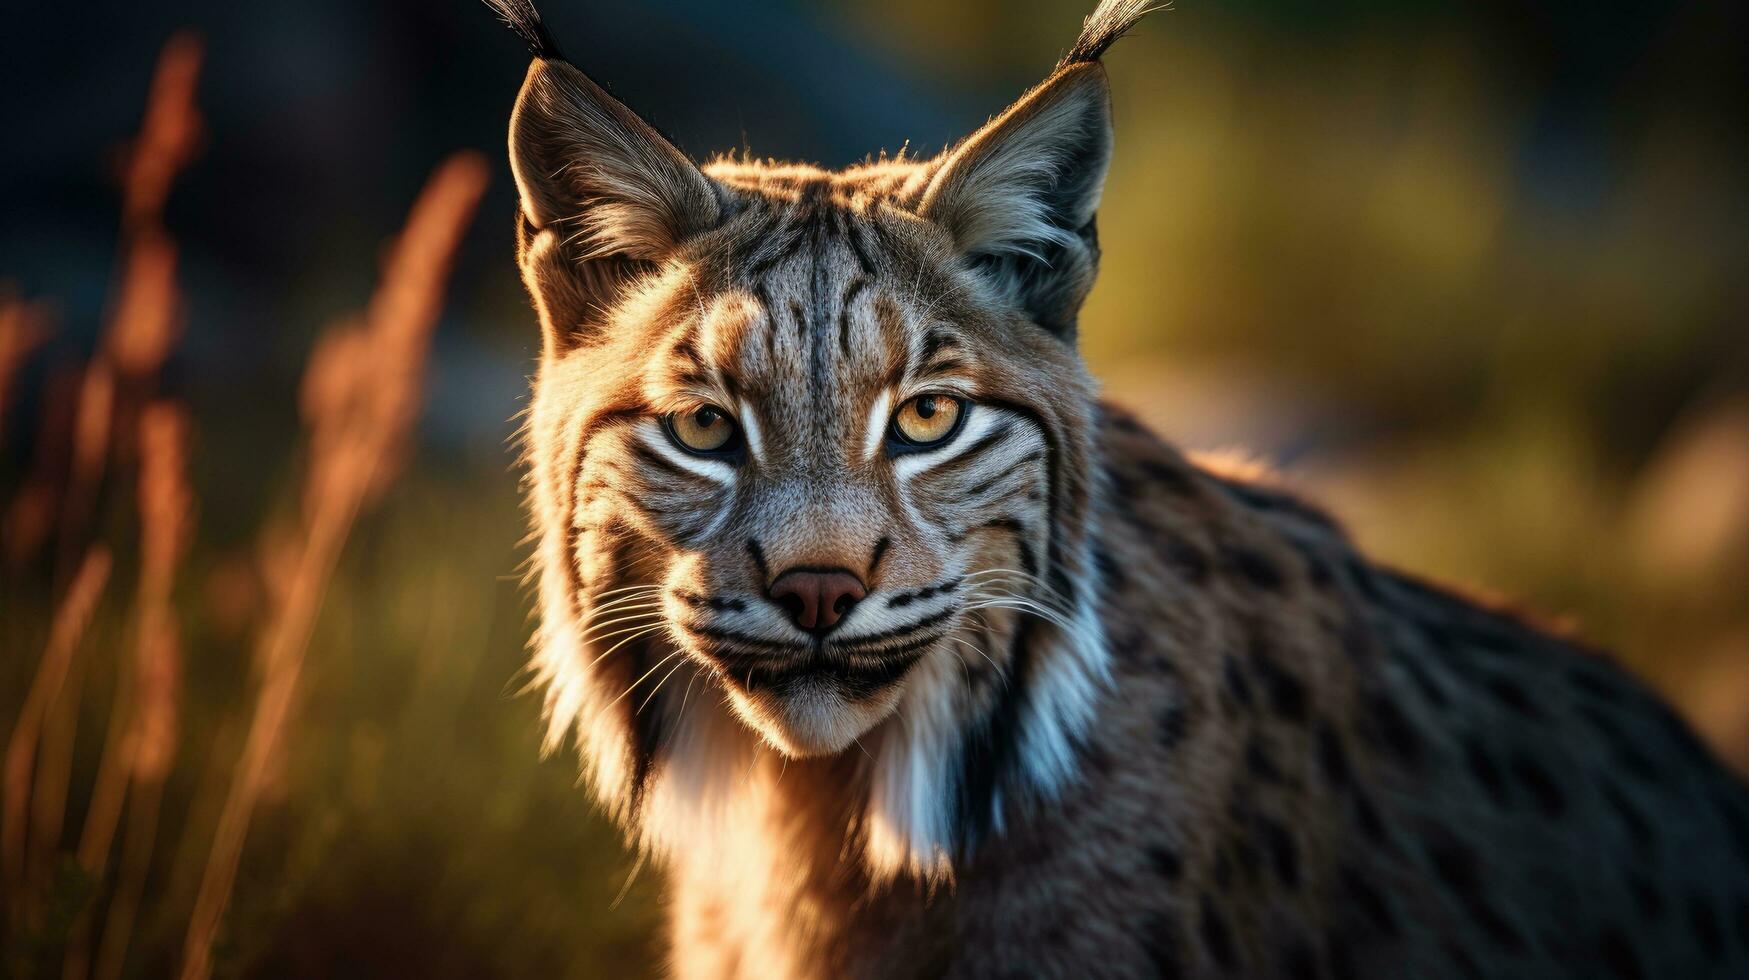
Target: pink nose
[{"x": 817, "y": 599}]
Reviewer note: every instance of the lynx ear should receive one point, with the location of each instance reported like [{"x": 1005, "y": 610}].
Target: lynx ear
[
  {"x": 1019, "y": 197},
  {"x": 582, "y": 158},
  {"x": 603, "y": 196}
]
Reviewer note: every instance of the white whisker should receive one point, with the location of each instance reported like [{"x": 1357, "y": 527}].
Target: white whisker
[
  {"x": 641, "y": 679},
  {"x": 642, "y": 632},
  {"x": 653, "y": 691},
  {"x": 595, "y": 628}
]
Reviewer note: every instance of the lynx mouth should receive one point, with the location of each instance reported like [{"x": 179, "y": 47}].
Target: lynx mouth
[{"x": 856, "y": 669}]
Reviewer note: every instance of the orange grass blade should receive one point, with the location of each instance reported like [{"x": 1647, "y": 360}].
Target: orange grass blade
[
  {"x": 71, "y": 619},
  {"x": 142, "y": 729},
  {"x": 364, "y": 418},
  {"x": 24, "y": 326},
  {"x": 170, "y": 134}
]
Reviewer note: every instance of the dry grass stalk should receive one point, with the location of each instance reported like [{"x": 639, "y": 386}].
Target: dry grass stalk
[
  {"x": 53, "y": 769},
  {"x": 70, "y": 621},
  {"x": 92, "y": 421},
  {"x": 24, "y": 326},
  {"x": 136, "y": 861},
  {"x": 170, "y": 134},
  {"x": 65, "y": 487},
  {"x": 361, "y": 394},
  {"x": 144, "y": 315},
  {"x": 30, "y": 517},
  {"x": 54, "y": 773},
  {"x": 142, "y": 323},
  {"x": 166, "y": 519},
  {"x": 146, "y": 319},
  {"x": 142, "y": 728}
]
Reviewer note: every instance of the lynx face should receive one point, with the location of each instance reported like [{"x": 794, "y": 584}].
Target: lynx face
[
  {"x": 818, "y": 444},
  {"x": 830, "y": 455}
]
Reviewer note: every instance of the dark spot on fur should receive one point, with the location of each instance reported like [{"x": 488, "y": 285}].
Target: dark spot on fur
[
  {"x": 1424, "y": 682},
  {"x": 874, "y": 559},
  {"x": 1160, "y": 941},
  {"x": 1465, "y": 961},
  {"x": 1484, "y": 769},
  {"x": 1123, "y": 485},
  {"x": 1626, "y": 750},
  {"x": 1238, "y": 688},
  {"x": 1542, "y": 787},
  {"x": 1246, "y": 859},
  {"x": 1705, "y": 919},
  {"x": 1638, "y": 827},
  {"x": 1130, "y": 649},
  {"x": 1366, "y": 817},
  {"x": 1458, "y": 867},
  {"x": 1455, "y": 864},
  {"x": 1172, "y": 479},
  {"x": 1358, "y": 644},
  {"x": 1187, "y": 559},
  {"x": 1359, "y": 893},
  {"x": 1391, "y": 730},
  {"x": 1364, "y": 580},
  {"x": 1123, "y": 496},
  {"x": 1259, "y": 761},
  {"x": 758, "y": 555},
  {"x": 1126, "y": 423},
  {"x": 1099, "y": 759},
  {"x": 1284, "y": 854},
  {"x": 1216, "y": 938},
  {"x": 716, "y": 603},
  {"x": 1166, "y": 861},
  {"x": 1646, "y": 897},
  {"x": 1287, "y": 693},
  {"x": 1618, "y": 954},
  {"x": 1338, "y": 959},
  {"x": 1593, "y": 682},
  {"x": 1298, "y": 961},
  {"x": 1332, "y": 757},
  {"x": 1223, "y": 870},
  {"x": 1513, "y": 697},
  {"x": 1681, "y": 736},
  {"x": 1256, "y": 568},
  {"x": 1317, "y": 567},
  {"x": 1737, "y": 823},
  {"x": 1174, "y": 723},
  {"x": 1282, "y": 502},
  {"x": 1109, "y": 571}
]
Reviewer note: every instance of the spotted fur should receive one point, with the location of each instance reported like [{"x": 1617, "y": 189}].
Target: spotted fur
[{"x": 1103, "y": 710}]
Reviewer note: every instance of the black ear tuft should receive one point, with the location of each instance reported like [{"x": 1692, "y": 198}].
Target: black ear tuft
[
  {"x": 522, "y": 18},
  {"x": 1108, "y": 22}
]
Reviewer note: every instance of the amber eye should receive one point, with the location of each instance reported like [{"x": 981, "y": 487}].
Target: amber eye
[
  {"x": 927, "y": 420},
  {"x": 707, "y": 430}
]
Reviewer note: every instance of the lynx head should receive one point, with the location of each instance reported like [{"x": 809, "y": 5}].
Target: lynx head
[{"x": 811, "y": 458}]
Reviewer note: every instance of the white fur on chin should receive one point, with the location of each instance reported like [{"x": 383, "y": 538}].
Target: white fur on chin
[{"x": 813, "y": 719}]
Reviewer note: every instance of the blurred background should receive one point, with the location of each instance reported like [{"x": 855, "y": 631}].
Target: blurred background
[{"x": 1475, "y": 275}]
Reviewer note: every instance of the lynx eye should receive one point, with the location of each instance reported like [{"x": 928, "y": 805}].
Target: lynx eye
[
  {"x": 705, "y": 431},
  {"x": 927, "y": 421}
]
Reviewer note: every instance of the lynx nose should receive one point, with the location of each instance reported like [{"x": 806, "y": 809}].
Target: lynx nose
[{"x": 816, "y": 599}]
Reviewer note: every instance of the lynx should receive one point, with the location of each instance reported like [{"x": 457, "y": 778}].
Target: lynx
[{"x": 906, "y": 656}]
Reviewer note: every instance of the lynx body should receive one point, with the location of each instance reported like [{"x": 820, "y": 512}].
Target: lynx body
[{"x": 905, "y": 656}]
